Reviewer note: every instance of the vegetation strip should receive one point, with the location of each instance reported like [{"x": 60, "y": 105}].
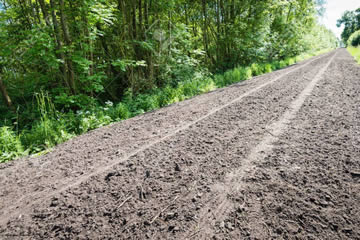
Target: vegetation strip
[{"x": 53, "y": 127}]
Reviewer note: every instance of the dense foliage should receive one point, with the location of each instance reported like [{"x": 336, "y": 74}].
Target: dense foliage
[
  {"x": 64, "y": 63},
  {"x": 351, "y": 22}
]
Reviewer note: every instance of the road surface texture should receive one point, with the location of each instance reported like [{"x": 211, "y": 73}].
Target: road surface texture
[{"x": 275, "y": 157}]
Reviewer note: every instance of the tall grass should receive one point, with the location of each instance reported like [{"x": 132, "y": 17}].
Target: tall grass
[
  {"x": 49, "y": 131},
  {"x": 55, "y": 127},
  {"x": 355, "y": 52}
]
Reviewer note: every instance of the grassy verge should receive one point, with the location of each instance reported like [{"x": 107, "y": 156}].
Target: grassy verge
[
  {"x": 355, "y": 51},
  {"x": 55, "y": 127}
]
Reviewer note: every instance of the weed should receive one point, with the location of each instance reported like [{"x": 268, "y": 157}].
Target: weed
[{"x": 10, "y": 145}]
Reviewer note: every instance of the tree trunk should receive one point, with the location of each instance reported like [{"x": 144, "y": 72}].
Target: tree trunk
[
  {"x": 134, "y": 19},
  {"x": 44, "y": 12},
  {"x": 146, "y": 14},
  {"x": 59, "y": 46},
  {"x": 140, "y": 18},
  {"x": 67, "y": 38},
  {"x": 205, "y": 26}
]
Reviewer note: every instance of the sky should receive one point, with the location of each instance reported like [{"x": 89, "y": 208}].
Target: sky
[{"x": 334, "y": 11}]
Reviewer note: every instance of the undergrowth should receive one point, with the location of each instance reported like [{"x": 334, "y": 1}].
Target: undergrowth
[{"x": 55, "y": 127}]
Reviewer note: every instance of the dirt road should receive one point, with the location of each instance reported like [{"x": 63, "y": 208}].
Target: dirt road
[{"x": 275, "y": 157}]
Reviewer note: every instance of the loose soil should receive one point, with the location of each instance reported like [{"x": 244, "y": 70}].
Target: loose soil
[{"x": 275, "y": 157}]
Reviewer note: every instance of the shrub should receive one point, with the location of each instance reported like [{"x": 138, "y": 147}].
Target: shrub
[
  {"x": 256, "y": 69},
  {"x": 189, "y": 88},
  {"x": 268, "y": 68},
  {"x": 282, "y": 64},
  {"x": 246, "y": 73},
  {"x": 146, "y": 102},
  {"x": 275, "y": 65},
  {"x": 219, "y": 80},
  {"x": 289, "y": 61},
  {"x": 354, "y": 39},
  {"x": 119, "y": 112},
  {"x": 168, "y": 96},
  {"x": 207, "y": 85}
]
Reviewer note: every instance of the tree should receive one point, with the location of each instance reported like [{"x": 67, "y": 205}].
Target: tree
[{"x": 351, "y": 22}]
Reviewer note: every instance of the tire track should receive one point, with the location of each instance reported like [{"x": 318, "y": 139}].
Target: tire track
[
  {"x": 234, "y": 182},
  {"x": 13, "y": 212}
]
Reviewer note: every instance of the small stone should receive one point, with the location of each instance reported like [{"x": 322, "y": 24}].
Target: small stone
[
  {"x": 222, "y": 224},
  {"x": 177, "y": 167},
  {"x": 124, "y": 222},
  {"x": 240, "y": 209},
  {"x": 229, "y": 226},
  {"x": 347, "y": 230},
  {"x": 170, "y": 216}
]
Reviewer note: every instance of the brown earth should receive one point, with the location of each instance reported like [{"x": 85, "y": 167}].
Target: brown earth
[{"x": 275, "y": 157}]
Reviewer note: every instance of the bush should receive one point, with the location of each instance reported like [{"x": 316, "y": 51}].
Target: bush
[
  {"x": 282, "y": 64},
  {"x": 256, "y": 69},
  {"x": 146, "y": 102},
  {"x": 120, "y": 112},
  {"x": 207, "y": 85},
  {"x": 268, "y": 68},
  {"x": 289, "y": 61},
  {"x": 168, "y": 96},
  {"x": 354, "y": 39},
  {"x": 189, "y": 88}
]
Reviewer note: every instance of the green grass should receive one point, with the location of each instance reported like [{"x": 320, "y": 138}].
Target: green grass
[
  {"x": 55, "y": 127},
  {"x": 355, "y": 52}
]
